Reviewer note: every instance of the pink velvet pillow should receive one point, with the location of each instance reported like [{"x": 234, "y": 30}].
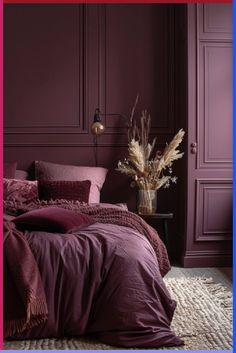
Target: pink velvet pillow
[
  {"x": 67, "y": 190},
  {"x": 52, "y": 171},
  {"x": 53, "y": 219},
  {"x": 20, "y": 190},
  {"x": 9, "y": 170}
]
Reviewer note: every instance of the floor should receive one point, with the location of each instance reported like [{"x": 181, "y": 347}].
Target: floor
[{"x": 218, "y": 274}]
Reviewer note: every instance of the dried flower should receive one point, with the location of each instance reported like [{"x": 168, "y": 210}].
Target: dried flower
[{"x": 146, "y": 172}]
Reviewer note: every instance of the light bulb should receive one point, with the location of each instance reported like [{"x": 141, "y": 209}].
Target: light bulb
[{"x": 97, "y": 128}]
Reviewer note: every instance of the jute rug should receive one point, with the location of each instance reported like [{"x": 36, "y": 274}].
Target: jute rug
[{"x": 203, "y": 318}]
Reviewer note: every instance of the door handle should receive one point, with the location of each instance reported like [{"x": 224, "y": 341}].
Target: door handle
[{"x": 193, "y": 146}]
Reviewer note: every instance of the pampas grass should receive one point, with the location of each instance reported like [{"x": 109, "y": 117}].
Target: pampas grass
[{"x": 148, "y": 173}]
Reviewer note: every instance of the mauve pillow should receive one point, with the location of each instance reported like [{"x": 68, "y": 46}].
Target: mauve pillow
[
  {"x": 21, "y": 175},
  {"x": 67, "y": 190},
  {"x": 53, "y": 219},
  {"x": 20, "y": 190},
  {"x": 9, "y": 170},
  {"x": 52, "y": 171}
]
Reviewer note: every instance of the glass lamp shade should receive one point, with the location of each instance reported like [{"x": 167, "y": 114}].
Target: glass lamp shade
[{"x": 97, "y": 128}]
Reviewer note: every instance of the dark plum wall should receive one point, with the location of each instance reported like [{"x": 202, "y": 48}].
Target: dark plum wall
[{"x": 61, "y": 61}]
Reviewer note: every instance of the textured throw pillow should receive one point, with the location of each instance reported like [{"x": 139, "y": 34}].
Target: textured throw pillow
[
  {"x": 53, "y": 219},
  {"x": 20, "y": 190},
  {"x": 9, "y": 170},
  {"x": 67, "y": 190},
  {"x": 21, "y": 175},
  {"x": 52, "y": 171}
]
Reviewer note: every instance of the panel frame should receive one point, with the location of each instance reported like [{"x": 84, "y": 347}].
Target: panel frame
[
  {"x": 81, "y": 124},
  {"x": 208, "y": 32},
  {"x": 202, "y": 161},
  {"x": 169, "y": 128},
  {"x": 200, "y": 234}
]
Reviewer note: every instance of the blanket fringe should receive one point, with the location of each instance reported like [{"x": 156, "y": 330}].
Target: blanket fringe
[
  {"x": 37, "y": 313},
  {"x": 36, "y": 307}
]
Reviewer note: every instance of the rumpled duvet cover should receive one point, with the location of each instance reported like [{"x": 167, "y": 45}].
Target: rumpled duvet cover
[{"x": 104, "y": 280}]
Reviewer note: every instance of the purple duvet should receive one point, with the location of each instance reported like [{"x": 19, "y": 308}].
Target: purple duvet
[{"x": 104, "y": 282}]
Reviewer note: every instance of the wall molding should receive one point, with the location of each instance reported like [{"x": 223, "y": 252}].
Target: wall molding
[
  {"x": 169, "y": 127},
  {"x": 79, "y": 124},
  {"x": 210, "y": 258},
  {"x": 58, "y": 144}
]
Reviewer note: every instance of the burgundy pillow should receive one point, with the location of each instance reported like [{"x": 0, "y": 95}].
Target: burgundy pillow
[
  {"x": 53, "y": 219},
  {"x": 67, "y": 190},
  {"x": 9, "y": 170}
]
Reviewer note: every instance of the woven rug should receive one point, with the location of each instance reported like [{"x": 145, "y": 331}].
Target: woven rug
[{"x": 203, "y": 318}]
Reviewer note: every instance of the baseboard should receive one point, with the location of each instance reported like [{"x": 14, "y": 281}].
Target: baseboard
[{"x": 206, "y": 259}]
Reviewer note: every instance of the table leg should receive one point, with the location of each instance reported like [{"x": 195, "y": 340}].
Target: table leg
[{"x": 165, "y": 232}]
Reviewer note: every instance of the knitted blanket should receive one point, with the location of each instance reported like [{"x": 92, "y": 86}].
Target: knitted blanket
[{"x": 103, "y": 215}]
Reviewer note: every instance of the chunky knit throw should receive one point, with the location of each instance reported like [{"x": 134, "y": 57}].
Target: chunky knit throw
[{"x": 103, "y": 215}]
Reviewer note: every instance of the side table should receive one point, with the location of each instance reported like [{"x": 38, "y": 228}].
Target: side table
[{"x": 152, "y": 218}]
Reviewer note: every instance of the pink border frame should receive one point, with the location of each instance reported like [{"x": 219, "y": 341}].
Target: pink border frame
[
  {"x": 1, "y": 110},
  {"x": 1, "y": 174}
]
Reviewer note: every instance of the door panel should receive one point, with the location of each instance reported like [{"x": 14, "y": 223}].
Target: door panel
[
  {"x": 209, "y": 194},
  {"x": 215, "y": 105},
  {"x": 215, "y": 21},
  {"x": 213, "y": 210}
]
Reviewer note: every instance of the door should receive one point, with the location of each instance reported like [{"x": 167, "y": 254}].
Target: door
[{"x": 209, "y": 178}]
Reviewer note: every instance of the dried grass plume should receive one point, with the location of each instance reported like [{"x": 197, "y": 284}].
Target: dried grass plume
[{"x": 149, "y": 173}]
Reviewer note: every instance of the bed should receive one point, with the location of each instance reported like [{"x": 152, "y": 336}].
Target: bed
[{"x": 73, "y": 268}]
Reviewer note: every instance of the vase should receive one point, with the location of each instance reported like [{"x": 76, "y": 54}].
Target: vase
[{"x": 147, "y": 201}]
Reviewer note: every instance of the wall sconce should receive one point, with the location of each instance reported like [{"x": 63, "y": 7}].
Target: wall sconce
[{"x": 98, "y": 128}]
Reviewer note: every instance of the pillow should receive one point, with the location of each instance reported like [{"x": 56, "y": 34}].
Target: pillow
[
  {"x": 53, "y": 219},
  {"x": 52, "y": 171},
  {"x": 20, "y": 190},
  {"x": 9, "y": 170},
  {"x": 21, "y": 174},
  {"x": 67, "y": 190}
]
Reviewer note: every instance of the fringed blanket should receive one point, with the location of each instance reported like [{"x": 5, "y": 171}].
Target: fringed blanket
[{"x": 25, "y": 304}]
